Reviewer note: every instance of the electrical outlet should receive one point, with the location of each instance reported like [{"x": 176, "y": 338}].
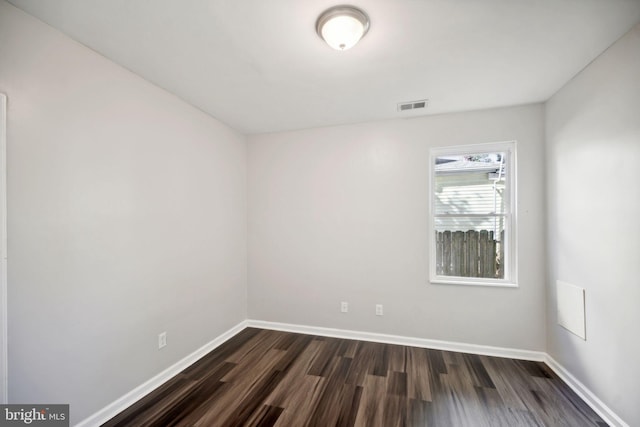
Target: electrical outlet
[
  {"x": 379, "y": 311},
  {"x": 344, "y": 306},
  {"x": 162, "y": 340}
]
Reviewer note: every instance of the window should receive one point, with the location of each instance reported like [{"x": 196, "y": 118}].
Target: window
[{"x": 472, "y": 215}]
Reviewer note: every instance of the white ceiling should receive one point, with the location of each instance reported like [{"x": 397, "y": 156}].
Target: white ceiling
[{"x": 259, "y": 66}]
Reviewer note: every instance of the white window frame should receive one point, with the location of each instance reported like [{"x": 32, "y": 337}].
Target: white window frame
[{"x": 510, "y": 250}]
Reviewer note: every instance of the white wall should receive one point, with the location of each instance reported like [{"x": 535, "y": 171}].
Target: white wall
[
  {"x": 340, "y": 214},
  {"x": 126, "y": 217},
  {"x": 593, "y": 169}
]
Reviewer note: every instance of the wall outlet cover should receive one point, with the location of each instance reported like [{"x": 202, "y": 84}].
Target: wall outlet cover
[
  {"x": 344, "y": 306},
  {"x": 162, "y": 340}
]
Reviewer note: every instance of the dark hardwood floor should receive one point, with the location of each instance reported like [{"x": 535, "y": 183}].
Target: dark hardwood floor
[{"x": 269, "y": 378}]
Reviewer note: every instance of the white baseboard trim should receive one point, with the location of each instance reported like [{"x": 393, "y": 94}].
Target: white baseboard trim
[
  {"x": 485, "y": 350},
  {"x": 142, "y": 390},
  {"x": 585, "y": 394}
]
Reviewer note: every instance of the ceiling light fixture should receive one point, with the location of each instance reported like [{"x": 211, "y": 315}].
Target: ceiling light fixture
[{"x": 342, "y": 26}]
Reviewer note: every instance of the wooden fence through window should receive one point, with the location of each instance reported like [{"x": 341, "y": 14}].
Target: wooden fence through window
[{"x": 469, "y": 254}]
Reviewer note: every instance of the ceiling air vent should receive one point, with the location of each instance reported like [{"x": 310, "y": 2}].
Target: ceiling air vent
[{"x": 413, "y": 105}]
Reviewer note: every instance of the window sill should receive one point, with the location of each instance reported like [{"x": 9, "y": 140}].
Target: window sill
[{"x": 463, "y": 282}]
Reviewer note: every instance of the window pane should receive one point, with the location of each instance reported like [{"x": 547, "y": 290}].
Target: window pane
[
  {"x": 470, "y": 247},
  {"x": 470, "y": 184},
  {"x": 472, "y": 203}
]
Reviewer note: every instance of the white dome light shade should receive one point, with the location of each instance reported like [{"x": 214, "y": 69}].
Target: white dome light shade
[
  {"x": 342, "y": 26},
  {"x": 342, "y": 32}
]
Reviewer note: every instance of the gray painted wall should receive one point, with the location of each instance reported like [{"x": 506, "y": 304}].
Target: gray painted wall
[
  {"x": 126, "y": 217},
  {"x": 593, "y": 185},
  {"x": 340, "y": 214}
]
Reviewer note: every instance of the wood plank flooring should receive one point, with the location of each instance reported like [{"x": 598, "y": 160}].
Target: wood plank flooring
[{"x": 269, "y": 378}]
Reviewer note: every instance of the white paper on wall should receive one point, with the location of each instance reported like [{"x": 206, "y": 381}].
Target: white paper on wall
[{"x": 571, "y": 313}]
